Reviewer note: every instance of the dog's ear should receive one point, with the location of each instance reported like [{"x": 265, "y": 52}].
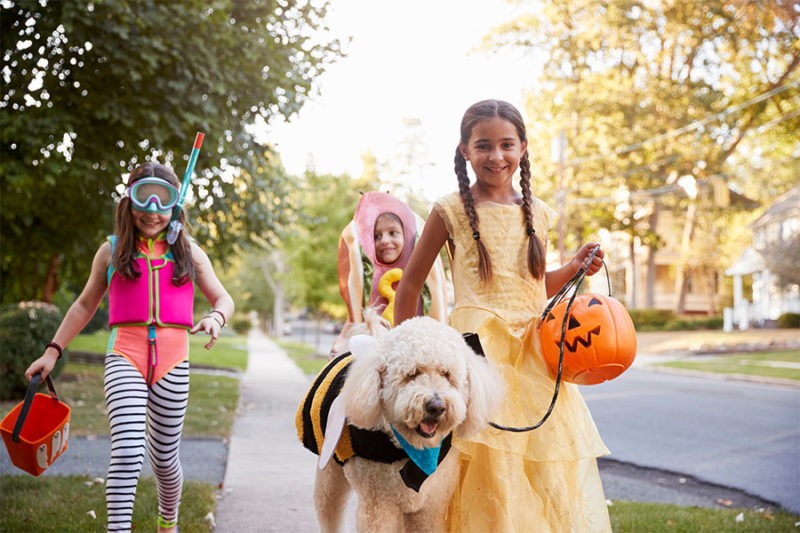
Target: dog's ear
[
  {"x": 485, "y": 393},
  {"x": 362, "y": 387}
]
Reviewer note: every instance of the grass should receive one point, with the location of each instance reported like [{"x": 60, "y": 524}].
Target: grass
[
  {"x": 637, "y": 517},
  {"x": 212, "y": 402},
  {"x": 230, "y": 351},
  {"x": 48, "y": 504},
  {"x": 752, "y": 363},
  {"x": 64, "y": 503},
  {"x": 304, "y": 355}
]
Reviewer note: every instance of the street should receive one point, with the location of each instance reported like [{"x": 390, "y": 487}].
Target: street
[{"x": 737, "y": 434}]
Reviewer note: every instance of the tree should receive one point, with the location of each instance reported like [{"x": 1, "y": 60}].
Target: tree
[
  {"x": 646, "y": 90},
  {"x": 783, "y": 261},
  {"x": 93, "y": 88}
]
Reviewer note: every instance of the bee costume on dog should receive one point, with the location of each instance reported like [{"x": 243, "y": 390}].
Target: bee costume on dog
[{"x": 312, "y": 417}]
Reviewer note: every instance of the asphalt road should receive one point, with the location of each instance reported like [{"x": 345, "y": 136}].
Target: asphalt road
[{"x": 731, "y": 433}]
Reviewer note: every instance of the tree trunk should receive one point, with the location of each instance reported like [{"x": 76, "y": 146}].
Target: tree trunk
[
  {"x": 50, "y": 285},
  {"x": 682, "y": 277},
  {"x": 650, "y": 288},
  {"x": 279, "y": 294}
]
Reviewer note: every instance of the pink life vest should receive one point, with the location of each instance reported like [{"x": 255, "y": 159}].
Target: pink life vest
[{"x": 151, "y": 298}]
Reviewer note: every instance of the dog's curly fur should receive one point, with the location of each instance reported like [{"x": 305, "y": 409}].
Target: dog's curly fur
[{"x": 423, "y": 379}]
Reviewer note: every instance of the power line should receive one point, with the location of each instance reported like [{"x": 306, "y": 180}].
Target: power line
[{"x": 689, "y": 127}]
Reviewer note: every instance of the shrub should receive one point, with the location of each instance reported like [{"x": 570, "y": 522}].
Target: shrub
[
  {"x": 25, "y": 329},
  {"x": 240, "y": 323},
  {"x": 789, "y": 320},
  {"x": 650, "y": 319}
]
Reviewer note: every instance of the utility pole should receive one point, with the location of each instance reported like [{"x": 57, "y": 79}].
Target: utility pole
[{"x": 558, "y": 155}]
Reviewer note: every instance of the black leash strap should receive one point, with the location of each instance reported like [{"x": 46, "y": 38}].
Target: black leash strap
[
  {"x": 26, "y": 405},
  {"x": 574, "y": 282}
]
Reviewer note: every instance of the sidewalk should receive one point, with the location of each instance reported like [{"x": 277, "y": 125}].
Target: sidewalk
[{"x": 269, "y": 478}]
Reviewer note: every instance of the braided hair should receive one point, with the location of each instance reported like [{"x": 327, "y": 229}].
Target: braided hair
[{"x": 477, "y": 112}]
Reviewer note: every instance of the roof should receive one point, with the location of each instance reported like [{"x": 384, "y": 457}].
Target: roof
[
  {"x": 749, "y": 262},
  {"x": 786, "y": 206}
]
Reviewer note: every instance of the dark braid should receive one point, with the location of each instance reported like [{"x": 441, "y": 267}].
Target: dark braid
[
  {"x": 536, "y": 260},
  {"x": 484, "y": 261}
]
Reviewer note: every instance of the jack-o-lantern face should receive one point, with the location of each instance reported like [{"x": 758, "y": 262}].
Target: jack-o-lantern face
[{"x": 600, "y": 340}]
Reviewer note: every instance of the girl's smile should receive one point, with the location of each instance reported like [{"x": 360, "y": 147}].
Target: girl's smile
[{"x": 148, "y": 224}]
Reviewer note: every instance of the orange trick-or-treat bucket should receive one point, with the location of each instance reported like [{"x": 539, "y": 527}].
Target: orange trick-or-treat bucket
[
  {"x": 36, "y": 431},
  {"x": 599, "y": 343}
]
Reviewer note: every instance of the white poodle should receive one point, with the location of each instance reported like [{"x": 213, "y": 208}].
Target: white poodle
[{"x": 404, "y": 393}]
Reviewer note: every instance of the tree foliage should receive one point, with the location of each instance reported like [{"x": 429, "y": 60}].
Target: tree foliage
[
  {"x": 93, "y": 88},
  {"x": 649, "y": 91}
]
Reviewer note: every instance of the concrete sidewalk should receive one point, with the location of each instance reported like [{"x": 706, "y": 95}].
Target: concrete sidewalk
[{"x": 269, "y": 479}]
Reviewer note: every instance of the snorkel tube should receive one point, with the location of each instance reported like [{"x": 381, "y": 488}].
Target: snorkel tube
[{"x": 175, "y": 225}]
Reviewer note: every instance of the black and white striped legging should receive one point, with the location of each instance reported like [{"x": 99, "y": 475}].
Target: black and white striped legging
[{"x": 132, "y": 407}]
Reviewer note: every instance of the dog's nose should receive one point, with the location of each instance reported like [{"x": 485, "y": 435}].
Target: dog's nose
[{"x": 435, "y": 406}]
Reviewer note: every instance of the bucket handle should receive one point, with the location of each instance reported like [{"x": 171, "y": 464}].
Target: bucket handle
[{"x": 26, "y": 405}]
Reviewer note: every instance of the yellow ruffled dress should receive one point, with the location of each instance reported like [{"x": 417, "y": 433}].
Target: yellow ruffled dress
[{"x": 540, "y": 481}]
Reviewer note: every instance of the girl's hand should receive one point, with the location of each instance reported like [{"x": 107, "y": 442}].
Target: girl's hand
[
  {"x": 582, "y": 257},
  {"x": 210, "y": 325},
  {"x": 44, "y": 364}
]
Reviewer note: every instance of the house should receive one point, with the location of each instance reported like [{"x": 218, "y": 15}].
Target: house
[
  {"x": 778, "y": 224},
  {"x": 646, "y": 280}
]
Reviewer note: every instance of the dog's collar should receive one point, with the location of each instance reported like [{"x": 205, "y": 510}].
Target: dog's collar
[{"x": 426, "y": 459}]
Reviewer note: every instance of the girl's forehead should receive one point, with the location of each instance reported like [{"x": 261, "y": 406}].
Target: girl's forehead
[
  {"x": 386, "y": 222},
  {"x": 492, "y": 129}
]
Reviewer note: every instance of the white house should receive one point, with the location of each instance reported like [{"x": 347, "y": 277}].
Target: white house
[{"x": 781, "y": 222}]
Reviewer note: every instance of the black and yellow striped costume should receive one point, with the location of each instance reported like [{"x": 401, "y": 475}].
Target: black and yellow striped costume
[{"x": 312, "y": 416}]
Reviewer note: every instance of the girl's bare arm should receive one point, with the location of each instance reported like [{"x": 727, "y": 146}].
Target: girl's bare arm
[
  {"x": 433, "y": 237},
  {"x": 79, "y": 313}
]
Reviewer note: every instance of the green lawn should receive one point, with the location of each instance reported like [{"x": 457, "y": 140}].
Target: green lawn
[
  {"x": 304, "y": 355},
  {"x": 638, "y": 517},
  {"x": 64, "y": 503},
  {"x": 230, "y": 350},
  {"x": 49, "y": 503},
  {"x": 783, "y": 364}
]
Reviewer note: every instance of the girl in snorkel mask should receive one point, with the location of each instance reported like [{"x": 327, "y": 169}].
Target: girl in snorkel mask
[{"x": 150, "y": 294}]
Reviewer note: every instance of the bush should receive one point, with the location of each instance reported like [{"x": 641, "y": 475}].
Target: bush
[
  {"x": 25, "y": 329},
  {"x": 789, "y": 320},
  {"x": 650, "y": 319},
  {"x": 693, "y": 324},
  {"x": 240, "y": 323}
]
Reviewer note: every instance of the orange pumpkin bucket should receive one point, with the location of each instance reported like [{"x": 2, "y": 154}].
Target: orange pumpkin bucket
[
  {"x": 595, "y": 342},
  {"x": 599, "y": 343},
  {"x": 36, "y": 431}
]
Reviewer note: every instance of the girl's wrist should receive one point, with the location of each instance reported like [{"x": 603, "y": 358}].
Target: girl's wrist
[
  {"x": 216, "y": 319},
  {"x": 56, "y": 347}
]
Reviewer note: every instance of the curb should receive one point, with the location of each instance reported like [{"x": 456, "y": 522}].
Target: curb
[{"x": 762, "y": 380}]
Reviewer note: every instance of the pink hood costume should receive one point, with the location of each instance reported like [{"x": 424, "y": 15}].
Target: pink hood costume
[{"x": 360, "y": 271}]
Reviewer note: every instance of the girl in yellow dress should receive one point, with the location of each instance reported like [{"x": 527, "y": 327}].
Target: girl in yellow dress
[{"x": 545, "y": 480}]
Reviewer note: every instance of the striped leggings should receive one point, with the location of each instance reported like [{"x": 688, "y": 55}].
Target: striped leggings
[{"x": 140, "y": 414}]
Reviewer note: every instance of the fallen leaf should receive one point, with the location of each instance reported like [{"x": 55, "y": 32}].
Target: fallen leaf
[
  {"x": 726, "y": 503},
  {"x": 670, "y": 523},
  {"x": 609, "y": 503},
  {"x": 740, "y": 517},
  {"x": 210, "y": 519},
  {"x": 92, "y": 514}
]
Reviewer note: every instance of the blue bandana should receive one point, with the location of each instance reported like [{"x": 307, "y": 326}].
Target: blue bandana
[{"x": 426, "y": 459}]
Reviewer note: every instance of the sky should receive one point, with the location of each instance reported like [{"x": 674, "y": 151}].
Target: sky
[{"x": 406, "y": 60}]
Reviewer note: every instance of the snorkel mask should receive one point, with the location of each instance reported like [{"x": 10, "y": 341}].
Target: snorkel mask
[{"x": 153, "y": 194}]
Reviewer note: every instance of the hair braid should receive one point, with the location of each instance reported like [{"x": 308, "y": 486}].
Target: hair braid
[
  {"x": 484, "y": 261},
  {"x": 536, "y": 260}
]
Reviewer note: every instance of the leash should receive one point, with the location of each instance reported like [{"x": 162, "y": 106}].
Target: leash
[{"x": 575, "y": 283}]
